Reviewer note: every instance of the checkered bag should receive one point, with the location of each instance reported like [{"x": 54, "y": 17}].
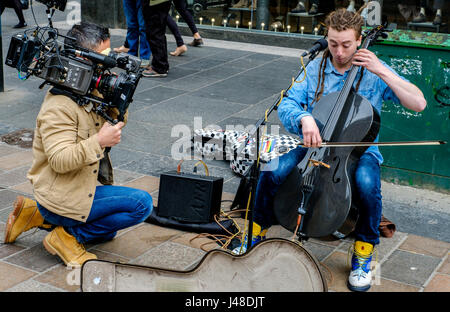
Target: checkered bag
[{"x": 224, "y": 145}]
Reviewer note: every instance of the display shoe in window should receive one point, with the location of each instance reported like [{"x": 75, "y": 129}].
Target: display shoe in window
[{"x": 300, "y": 8}]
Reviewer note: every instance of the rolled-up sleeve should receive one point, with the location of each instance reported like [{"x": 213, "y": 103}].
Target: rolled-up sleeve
[{"x": 290, "y": 110}]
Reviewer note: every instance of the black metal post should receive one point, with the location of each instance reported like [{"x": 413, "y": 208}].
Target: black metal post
[
  {"x": 262, "y": 14},
  {"x": 2, "y": 84},
  {"x": 255, "y": 170}
]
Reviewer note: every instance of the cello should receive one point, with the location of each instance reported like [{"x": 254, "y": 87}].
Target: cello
[{"x": 317, "y": 199}]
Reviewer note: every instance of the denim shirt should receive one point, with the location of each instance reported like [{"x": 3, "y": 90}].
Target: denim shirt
[{"x": 297, "y": 103}]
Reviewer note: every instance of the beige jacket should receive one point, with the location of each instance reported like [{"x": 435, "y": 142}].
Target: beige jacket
[{"x": 67, "y": 157}]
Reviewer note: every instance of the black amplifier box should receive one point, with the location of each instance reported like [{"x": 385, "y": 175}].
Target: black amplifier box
[{"x": 189, "y": 198}]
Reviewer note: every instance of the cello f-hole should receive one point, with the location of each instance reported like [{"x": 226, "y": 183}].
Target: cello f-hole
[{"x": 336, "y": 179}]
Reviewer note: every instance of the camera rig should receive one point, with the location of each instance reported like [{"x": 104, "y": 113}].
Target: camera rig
[{"x": 75, "y": 71}]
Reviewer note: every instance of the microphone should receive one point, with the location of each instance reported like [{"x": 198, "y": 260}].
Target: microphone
[
  {"x": 319, "y": 45},
  {"x": 98, "y": 58}
]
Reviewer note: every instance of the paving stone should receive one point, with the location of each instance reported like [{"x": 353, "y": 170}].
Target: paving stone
[
  {"x": 7, "y": 250},
  {"x": 124, "y": 176},
  {"x": 16, "y": 160},
  {"x": 4, "y": 214},
  {"x": 136, "y": 242},
  {"x": 227, "y": 200},
  {"x": 318, "y": 250},
  {"x": 410, "y": 268},
  {"x": 425, "y": 246},
  {"x": 145, "y": 84},
  {"x": 33, "y": 286},
  {"x": 279, "y": 70},
  {"x": 229, "y": 55},
  {"x": 27, "y": 119},
  {"x": 12, "y": 275},
  {"x": 192, "y": 82},
  {"x": 14, "y": 176},
  {"x": 61, "y": 277},
  {"x": 279, "y": 232},
  {"x": 200, "y": 241},
  {"x": 137, "y": 136},
  {"x": 384, "y": 248},
  {"x": 154, "y": 165},
  {"x": 177, "y": 73},
  {"x": 385, "y": 285},
  {"x": 170, "y": 255},
  {"x": 7, "y": 150},
  {"x": 7, "y": 198},
  {"x": 328, "y": 242},
  {"x": 31, "y": 238},
  {"x": 419, "y": 220},
  {"x": 222, "y": 72},
  {"x": 445, "y": 266},
  {"x": 120, "y": 156},
  {"x": 439, "y": 283},
  {"x": 203, "y": 63},
  {"x": 157, "y": 94},
  {"x": 11, "y": 108},
  {"x": 35, "y": 258},
  {"x": 232, "y": 185},
  {"x": 251, "y": 61},
  {"x": 182, "y": 112},
  {"x": 336, "y": 263},
  {"x": 6, "y": 128},
  {"x": 255, "y": 90},
  {"x": 25, "y": 187},
  {"x": 146, "y": 183}
]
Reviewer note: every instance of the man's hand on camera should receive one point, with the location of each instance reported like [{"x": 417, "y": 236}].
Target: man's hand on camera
[{"x": 109, "y": 135}]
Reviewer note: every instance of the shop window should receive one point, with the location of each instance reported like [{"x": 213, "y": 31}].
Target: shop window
[{"x": 307, "y": 16}]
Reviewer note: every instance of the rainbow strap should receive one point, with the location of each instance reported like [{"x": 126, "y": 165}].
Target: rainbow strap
[{"x": 268, "y": 145}]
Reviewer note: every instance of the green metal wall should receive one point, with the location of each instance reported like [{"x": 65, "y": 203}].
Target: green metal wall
[{"x": 424, "y": 166}]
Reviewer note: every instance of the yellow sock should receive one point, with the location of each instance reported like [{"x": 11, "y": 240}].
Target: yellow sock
[
  {"x": 257, "y": 230},
  {"x": 363, "y": 248}
]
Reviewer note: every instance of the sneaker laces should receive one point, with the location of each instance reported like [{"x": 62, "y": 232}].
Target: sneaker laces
[{"x": 362, "y": 260}]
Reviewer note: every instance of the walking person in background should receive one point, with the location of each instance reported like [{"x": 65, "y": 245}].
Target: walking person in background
[
  {"x": 17, "y": 6},
  {"x": 180, "y": 5},
  {"x": 136, "y": 37},
  {"x": 155, "y": 15}
]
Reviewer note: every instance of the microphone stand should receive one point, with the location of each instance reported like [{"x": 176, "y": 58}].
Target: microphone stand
[{"x": 255, "y": 169}]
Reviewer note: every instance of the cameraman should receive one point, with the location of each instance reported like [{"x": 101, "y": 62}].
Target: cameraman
[{"x": 68, "y": 159}]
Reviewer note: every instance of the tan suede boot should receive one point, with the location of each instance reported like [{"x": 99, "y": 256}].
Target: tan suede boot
[
  {"x": 59, "y": 242},
  {"x": 24, "y": 217}
]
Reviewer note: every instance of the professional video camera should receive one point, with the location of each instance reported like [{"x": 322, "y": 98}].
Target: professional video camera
[{"x": 75, "y": 71}]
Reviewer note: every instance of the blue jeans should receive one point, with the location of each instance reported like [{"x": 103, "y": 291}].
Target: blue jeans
[
  {"x": 368, "y": 184},
  {"x": 136, "y": 37},
  {"x": 114, "y": 208}
]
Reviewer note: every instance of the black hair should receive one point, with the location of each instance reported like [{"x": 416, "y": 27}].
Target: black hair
[{"x": 87, "y": 35}]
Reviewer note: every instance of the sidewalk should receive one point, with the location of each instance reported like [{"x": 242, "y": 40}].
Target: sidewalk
[{"x": 225, "y": 84}]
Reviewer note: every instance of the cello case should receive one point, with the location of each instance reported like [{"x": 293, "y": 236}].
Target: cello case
[{"x": 274, "y": 264}]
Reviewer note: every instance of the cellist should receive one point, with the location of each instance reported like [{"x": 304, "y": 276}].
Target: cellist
[{"x": 377, "y": 82}]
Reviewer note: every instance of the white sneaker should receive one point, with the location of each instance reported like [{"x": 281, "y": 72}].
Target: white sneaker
[
  {"x": 361, "y": 275},
  {"x": 359, "y": 280}
]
